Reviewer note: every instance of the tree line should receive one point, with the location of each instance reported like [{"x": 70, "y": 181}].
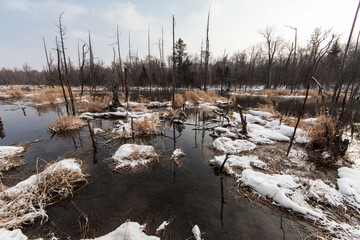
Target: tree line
[{"x": 274, "y": 63}]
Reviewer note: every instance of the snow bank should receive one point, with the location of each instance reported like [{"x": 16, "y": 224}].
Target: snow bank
[
  {"x": 261, "y": 113},
  {"x": 233, "y": 161},
  {"x": 133, "y": 155},
  {"x": 128, "y": 231},
  {"x": 12, "y": 235},
  {"x": 224, "y": 144},
  {"x": 8, "y": 151},
  {"x": 349, "y": 185},
  {"x": 278, "y": 188}
]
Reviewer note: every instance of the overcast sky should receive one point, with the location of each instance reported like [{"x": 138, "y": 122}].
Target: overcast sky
[{"x": 234, "y": 24}]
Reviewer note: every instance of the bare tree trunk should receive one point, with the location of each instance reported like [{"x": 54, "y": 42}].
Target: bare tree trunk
[
  {"x": 60, "y": 77},
  {"x": 92, "y": 67},
  {"x": 149, "y": 58},
  {"x": 340, "y": 79},
  {"x": 119, "y": 56},
  {"x": 126, "y": 86},
  {"x": 174, "y": 63},
  {"x": 67, "y": 78},
  {"x": 207, "y": 54},
  {"x": 49, "y": 76}
]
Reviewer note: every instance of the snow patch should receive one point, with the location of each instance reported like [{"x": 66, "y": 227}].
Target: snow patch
[
  {"x": 133, "y": 155},
  {"x": 8, "y": 151},
  {"x": 224, "y": 144},
  {"x": 128, "y": 231}
]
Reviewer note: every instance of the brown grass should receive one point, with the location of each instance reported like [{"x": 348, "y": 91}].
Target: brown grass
[
  {"x": 179, "y": 99},
  {"x": 191, "y": 97},
  {"x": 267, "y": 107},
  {"x": 146, "y": 126},
  {"x": 65, "y": 124},
  {"x": 322, "y": 133},
  {"x": 16, "y": 92},
  {"x": 312, "y": 93},
  {"x": 275, "y": 92},
  {"x": 91, "y": 104},
  {"x": 23, "y": 204}
]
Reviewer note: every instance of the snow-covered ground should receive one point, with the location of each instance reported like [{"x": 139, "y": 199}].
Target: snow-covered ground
[{"x": 313, "y": 198}]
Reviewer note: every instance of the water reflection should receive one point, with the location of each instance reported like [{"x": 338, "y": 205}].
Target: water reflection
[{"x": 2, "y": 131}]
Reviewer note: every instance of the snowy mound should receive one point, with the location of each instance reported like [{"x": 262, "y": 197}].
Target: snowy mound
[
  {"x": 128, "y": 231},
  {"x": 226, "y": 145},
  {"x": 8, "y": 151},
  {"x": 133, "y": 155}
]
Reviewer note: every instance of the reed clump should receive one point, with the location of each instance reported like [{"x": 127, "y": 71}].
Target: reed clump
[
  {"x": 191, "y": 96},
  {"x": 275, "y": 92},
  {"x": 322, "y": 133},
  {"x": 178, "y": 99},
  {"x": 66, "y": 123},
  {"x": 16, "y": 92},
  {"x": 26, "y": 201},
  {"x": 147, "y": 126},
  {"x": 94, "y": 104}
]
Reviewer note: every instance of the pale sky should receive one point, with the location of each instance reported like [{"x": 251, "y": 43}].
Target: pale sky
[{"x": 234, "y": 25}]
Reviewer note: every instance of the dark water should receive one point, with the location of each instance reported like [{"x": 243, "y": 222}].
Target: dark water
[{"x": 191, "y": 193}]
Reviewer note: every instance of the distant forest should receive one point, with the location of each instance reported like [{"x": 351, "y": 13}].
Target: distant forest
[{"x": 274, "y": 63}]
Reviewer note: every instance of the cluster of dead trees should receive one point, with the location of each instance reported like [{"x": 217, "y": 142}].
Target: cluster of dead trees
[{"x": 275, "y": 63}]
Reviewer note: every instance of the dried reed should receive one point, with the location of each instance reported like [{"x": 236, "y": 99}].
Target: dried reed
[
  {"x": 65, "y": 124},
  {"x": 26, "y": 201},
  {"x": 178, "y": 100}
]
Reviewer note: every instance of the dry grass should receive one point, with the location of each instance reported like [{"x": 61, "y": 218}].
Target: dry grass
[
  {"x": 147, "y": 126},
  {"x": 178, "y": 99},
  {"x": 25, "y": 202},
  {"x": 312, "y": 93},
  {"x": 275, "y": 92},
  {"x": 322, "y": 133},
  {"x": 142, "y": 99},
  {"x": 15, "y": 92},
  {"x": 204, "y": 96},
  {"x": 191, "y": 96},
  {"x": 49, "y": 95},
  {"x": 267, "y": 107},
  {"x": 94, "y": 104},
  {"x": 65, "y": 124}
]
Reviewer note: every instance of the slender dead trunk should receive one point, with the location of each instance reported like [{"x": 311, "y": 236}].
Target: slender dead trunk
[
  {"x": 207, "y": 54},
  {"x": 60, "y": 77},
  {"x": 173, "y": 62},
  {"x": 340, "y": 79},
  {"x": 50, "y": 76}
]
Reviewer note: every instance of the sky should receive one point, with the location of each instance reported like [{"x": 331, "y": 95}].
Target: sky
[{"x": 234, "y": 25}]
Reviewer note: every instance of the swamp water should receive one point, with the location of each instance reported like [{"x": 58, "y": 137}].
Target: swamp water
[{"x": 190, "y": 193}]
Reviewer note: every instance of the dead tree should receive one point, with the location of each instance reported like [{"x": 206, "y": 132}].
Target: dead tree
[
  {"x": 82, "y": 60},
  {"x": 67, "y": 77},
  {"x": 92, "y": 67},
  {"x": 340, "y": 78},
  {"x": 59, "y": 67},
  {"x": 173, "y": 62},
  {"x": 272, "y": 43},
  {"x": 318, "y": 54},
  {"x": 48, "y": 73},
  {"x": 207, "y": 52}
]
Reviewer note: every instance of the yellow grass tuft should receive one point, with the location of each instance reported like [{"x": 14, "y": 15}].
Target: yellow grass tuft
[
  {"x": 191, "y": 97},
  {"x": 94, "y": 104},
  {"x": 65, "y": 124},
  {"x": 275, "y": 92},
  {"x": 15, "y": 92},
  {"x": 178, "y": 99},
  {"x": 147, "y": 126},
  {"x": 322, "y": 133}
]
